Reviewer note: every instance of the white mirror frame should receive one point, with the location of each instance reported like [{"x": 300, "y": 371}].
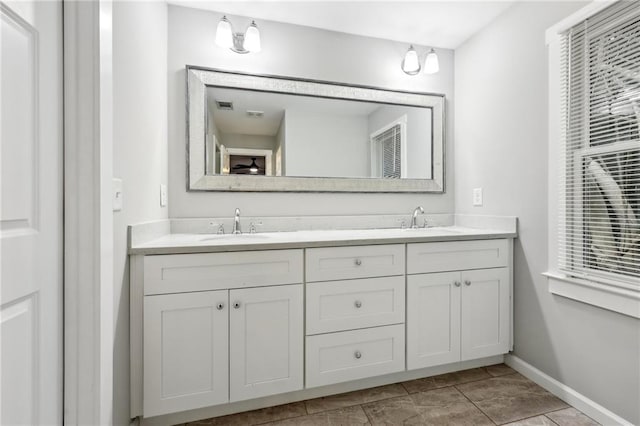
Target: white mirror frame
[{"x": 199, "y": 78}]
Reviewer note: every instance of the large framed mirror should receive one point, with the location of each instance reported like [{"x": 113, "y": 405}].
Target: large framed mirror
[{"x": 249, "y": 132}]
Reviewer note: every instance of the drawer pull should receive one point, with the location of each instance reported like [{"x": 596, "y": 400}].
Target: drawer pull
[
  {"x": 358, "y": 355},
  {"x": 236, "y": 305},
  {"x": 467, "y": 282},
  {"x": 457, "y": 283},
  {"x": 358, "y": 304},
  {"x": 220, "y": 306},
  {"x": 358, "y": 262}
]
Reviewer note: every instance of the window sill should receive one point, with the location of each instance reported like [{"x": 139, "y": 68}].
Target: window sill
[{"x": 606, "y": 296}]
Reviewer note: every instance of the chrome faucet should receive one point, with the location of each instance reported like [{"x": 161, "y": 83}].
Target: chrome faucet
[
  {"x": 414, "y": 217},
  {"x": 236, "y": 223}
]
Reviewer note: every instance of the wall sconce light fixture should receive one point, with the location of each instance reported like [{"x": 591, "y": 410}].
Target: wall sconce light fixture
[
  {"x": 411, "y": 62},
  {"x": 249, "y": 42}
]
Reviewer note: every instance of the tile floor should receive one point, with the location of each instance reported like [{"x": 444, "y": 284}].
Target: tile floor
[{"x": 494, "y": 395}]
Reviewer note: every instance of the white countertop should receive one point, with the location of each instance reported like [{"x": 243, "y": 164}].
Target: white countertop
[{"x": 204, "y": 243}]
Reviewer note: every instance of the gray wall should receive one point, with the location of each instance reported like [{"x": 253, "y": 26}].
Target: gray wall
[
  {"x": 296, "y": 51},
  {"x": 326, "y": 145},
  {"x": 501, "y": 145},
  {"x": 139, "y": 154}
]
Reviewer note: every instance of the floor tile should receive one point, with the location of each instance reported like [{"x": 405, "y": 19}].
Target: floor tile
[
  {"x": 533, "y": 421},
  {"x": 354, "y": 398},
  {"x": 343, "y": 416},
  {"x": 263, "y": 415},
  {"x": 443, "y": 380},
  {"x": 508, "y": 409},
  {"x": 447, "y": 406},
  {"x": 509, "y": 398},
  {"x": 444, "y": 406},
  {"x": 571, "y": 417},
  {"x": 394, "y": 411},
  {"x": 499, "y": 387},
  {"x": 499, "y": 370}
]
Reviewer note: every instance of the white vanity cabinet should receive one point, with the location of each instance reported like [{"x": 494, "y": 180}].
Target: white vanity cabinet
[
  {"x": 462, "y": 312},
  {"x": 221, "y": 331},
  {"x": 186, "y": 351},
  {"x": 265, "y": 341},
  {"x": 355, "y": 310},
  {"x": 220, "y": 328}
]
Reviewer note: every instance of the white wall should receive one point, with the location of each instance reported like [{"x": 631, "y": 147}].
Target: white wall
[
  {"x": 326, "y": 145},
  {"x": 296, "y": 51},
  {"x": 139, "y": 154},
  {"x": 236, "y": 140},
  {"x": 501, "y": 145}
]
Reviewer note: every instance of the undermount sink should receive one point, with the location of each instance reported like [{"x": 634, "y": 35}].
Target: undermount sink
[{"x": 235, "y": 237}]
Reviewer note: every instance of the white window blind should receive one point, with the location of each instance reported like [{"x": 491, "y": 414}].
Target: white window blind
[
  {"x": 389, "y": 144},
  {"x": 599, "y": 229}
]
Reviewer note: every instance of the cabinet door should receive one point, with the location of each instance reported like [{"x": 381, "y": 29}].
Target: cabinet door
[
  {"x": 266, "y": 341},
  {"x": 433, "y": 319},
  {"x": 186, "y": 352},
  {"x": 485, "y": 313}
]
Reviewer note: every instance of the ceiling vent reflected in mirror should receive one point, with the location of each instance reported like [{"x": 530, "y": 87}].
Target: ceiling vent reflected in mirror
[
  {"x": 255, "y": 114},
  {"x": 225, "y": 105}
]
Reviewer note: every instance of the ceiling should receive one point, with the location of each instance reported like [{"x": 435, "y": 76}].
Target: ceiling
[
  {"x": 443, "y": 24},
  {"x": 273, "y": 105}
]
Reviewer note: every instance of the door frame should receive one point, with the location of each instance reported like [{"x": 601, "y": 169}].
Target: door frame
[{"x": 88, "y": 218}]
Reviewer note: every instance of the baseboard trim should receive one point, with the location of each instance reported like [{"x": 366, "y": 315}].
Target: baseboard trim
[{"x": 564, "y": 392}]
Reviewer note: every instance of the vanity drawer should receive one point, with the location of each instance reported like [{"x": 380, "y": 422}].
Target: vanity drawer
[
  {"x": 337, "y": 263},
  {"x": 456, "y": 255},
  {"x": 347, "y": 305},
  {"x": 212, "y": 271},
  {"x": 351, "y": 355}
]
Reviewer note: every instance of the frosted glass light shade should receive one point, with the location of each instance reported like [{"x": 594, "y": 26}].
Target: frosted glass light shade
[
  {"x": 431, "y": 64},
  {"x": 224, "y": 33},
  {"x": 411, "y": 64},
  {"x": 252, "y": 38}
]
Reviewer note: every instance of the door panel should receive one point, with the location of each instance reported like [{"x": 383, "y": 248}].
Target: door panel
[
  {"x": 185, "y": 351},
  {"x": 485, "y": 313},
  {"x": 266, "y": 341},
  {"x": 433, "y": 319},
  {"x": 31, "y": 212}
]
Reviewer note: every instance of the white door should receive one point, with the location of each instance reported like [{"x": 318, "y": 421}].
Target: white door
[
  {"x": 186, "y": 352},
  {"x": 31, "y": 212},
  {"x": 266, "y": 341},
  {"x": 433, "y": 319},
  {"x": 485, "y": 313}
]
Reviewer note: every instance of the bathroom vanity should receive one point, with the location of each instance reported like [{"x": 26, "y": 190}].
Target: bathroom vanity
[{"x": 223, "y": 323}]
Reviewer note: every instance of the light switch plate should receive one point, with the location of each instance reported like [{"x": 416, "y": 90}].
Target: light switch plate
[
  {"x": 117, "y": 194},
  {"x": 477, "y": 196},
  {"x": 163, "y": 195}
]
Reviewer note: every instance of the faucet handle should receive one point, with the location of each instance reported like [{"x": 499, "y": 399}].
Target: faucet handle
[
  {"x": 221, "y": 229},
  {"x": 403, "y": 223},
  {"x": 252, "y": 228}
]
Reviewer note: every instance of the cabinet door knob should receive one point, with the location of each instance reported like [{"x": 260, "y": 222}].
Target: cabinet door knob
[
  {"x": 358, "y": 304},
  {"x": 457, "y": 283},
  {"x": 467, "y": 282},
  {"x": 358, "y": 355},
  {"x": 236, "y": 305},
  {"x": 358, "y": 262},
  {"x": 220, "y": 306}
]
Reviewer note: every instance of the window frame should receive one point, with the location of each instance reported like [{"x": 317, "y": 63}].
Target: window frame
[{"x": 622, "y": 296}]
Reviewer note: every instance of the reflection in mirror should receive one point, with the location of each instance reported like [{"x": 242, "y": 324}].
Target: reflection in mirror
[
  {"x": 265, "y": 133},
  {"x": 278, "y": 134}
]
